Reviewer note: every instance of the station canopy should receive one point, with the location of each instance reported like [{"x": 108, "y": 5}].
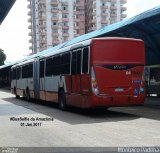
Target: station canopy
[
  {"x": 145, "y": 26},
  {"x": 5, "y": 6}
]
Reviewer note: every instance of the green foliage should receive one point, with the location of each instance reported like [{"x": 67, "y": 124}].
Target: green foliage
[{"x": 2, "y": 57}]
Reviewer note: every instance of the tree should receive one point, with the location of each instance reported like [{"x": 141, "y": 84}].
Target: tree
[{"x": 2, "y": 57}]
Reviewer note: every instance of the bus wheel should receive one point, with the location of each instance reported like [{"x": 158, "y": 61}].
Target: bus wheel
[
  {"x": 17, "y": 96},
  {"x": 62, "y": 100},
  {"x": 27, "y": 95},
  {"x": 15, "y": 92}
]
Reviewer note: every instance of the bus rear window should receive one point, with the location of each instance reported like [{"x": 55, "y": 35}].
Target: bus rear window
[{"x": 118, "y": 51}]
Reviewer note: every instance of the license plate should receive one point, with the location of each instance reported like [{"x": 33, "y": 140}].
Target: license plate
[{"x": 119, "y": 89}]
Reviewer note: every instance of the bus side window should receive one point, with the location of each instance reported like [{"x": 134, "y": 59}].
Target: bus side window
[
  {"x": 49, "y": 63},
  {"x": 41, "y": 71},
  {"x": 13, "y": 74},
  {"x": 24, "y": 71},
  {"x": 56, "y": 68},
  {"x": 85, "y": 60},
  {"x": 27, "y": 71},
  {"x": 79, "y": 61},
  {"x": 30, "y": 70},
  {"x": 76, "y": 62},
  {"x": 18, "y": 73},
  {"x": 65, "y": 63}
]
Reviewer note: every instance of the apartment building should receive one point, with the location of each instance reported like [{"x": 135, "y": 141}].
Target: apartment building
[
  {"x": 56, "y": 21},
  {"x": 99, "y": 13}
]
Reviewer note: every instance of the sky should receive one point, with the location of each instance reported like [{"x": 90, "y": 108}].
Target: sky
[{"x": 14, "y": 30}]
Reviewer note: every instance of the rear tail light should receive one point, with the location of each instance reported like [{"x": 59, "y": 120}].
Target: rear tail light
[{"x": 94, "y": 82}]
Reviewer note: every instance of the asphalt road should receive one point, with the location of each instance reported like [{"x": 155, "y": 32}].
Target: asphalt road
[{"x": 127, "y": 126}]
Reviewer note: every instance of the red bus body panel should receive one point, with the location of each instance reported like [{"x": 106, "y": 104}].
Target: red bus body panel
[{"x": 118, "y": 64}]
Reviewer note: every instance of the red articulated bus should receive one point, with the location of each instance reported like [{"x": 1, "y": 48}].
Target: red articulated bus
[{"x": 100, "y": 72}]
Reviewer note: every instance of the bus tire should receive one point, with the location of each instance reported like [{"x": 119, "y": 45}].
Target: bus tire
[
  {"x": 15, "y": 92},
  {"x": 17, "y": 96},
  {"x": 62, "y": 100},
  {"x": 28, "y": 98}
]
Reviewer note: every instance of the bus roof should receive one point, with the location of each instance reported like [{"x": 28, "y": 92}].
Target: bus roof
[{"x": 71, "y": 47}]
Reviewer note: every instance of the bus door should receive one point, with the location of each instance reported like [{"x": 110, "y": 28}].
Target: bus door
[
  {"x": 76, "y": 72},
  {"x": 42, "y": 80}
]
